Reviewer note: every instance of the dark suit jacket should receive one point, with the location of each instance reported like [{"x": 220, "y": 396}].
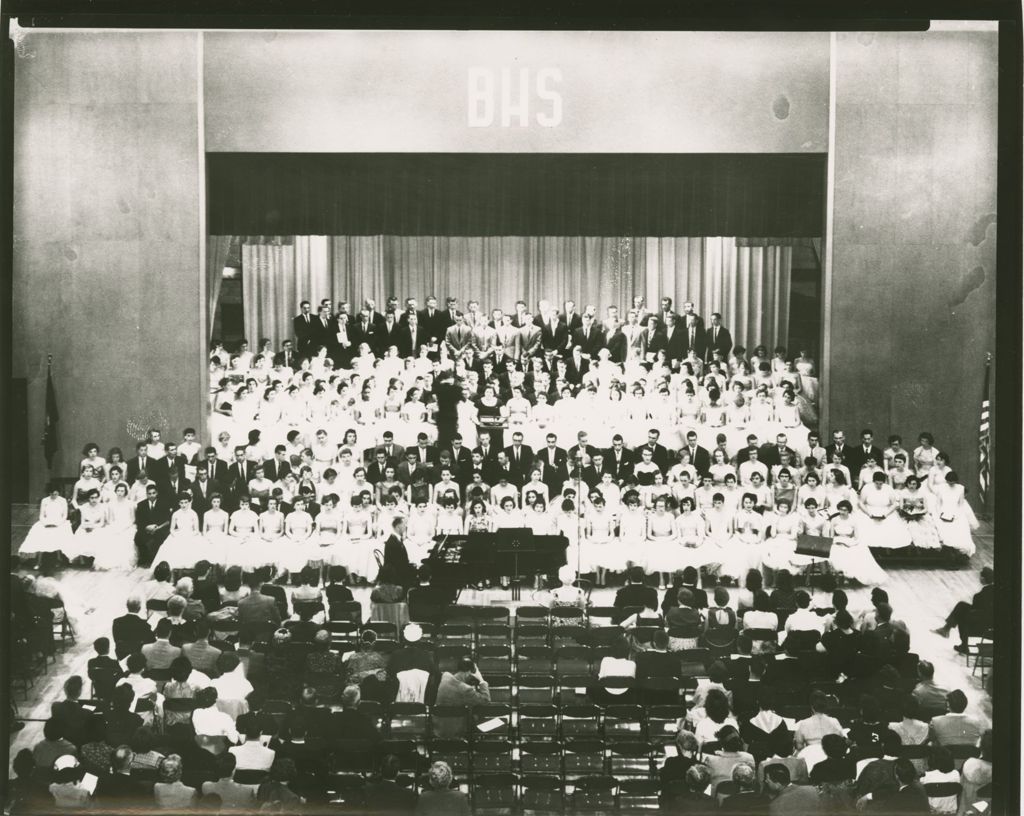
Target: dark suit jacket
[
  {"x": 746, "y": 802},
  {"x": 237, "y": 477},
  {"x": 657, "y": 664},
  {"x": 674, "y": 345},
  {"x": 616, "y": 344},
  {"x": 386, "y": 338},
  {"x": 769, "y": 454},
  {"x": 553, "y": 340},
  {"x": 857, "y": 457},
  {"x": 659, "y": 456},
  {"x": 304, "y": 331},
  {"x": 292, "y": 363},
  {"x": 121, "y": 792},
  {"x": 636, "y": 595},
  {"x": 848, "y": 449},
  {"x": 360, "y": 333},
  {"x": 525, "y": 464},
  {"x": 592, "y": 344},
  {"x": 699, "y": 458},
  {"x": 575, "y": 321},
  {"x": 396, "y": 556},
  {"x": 723, "y": 342},
  {"x": 434, "y": 326},
  {"x": 219, "y": 476},
  {"x": 275, "y": 470},
  {"x": 258, "y": 608},
  {"x": 574, "y": 372},
  {"x": 406, "y": 347},
  {"x": 619, "y": 469},
  {"x": 431, "y": 454},
  {"x": 129, "y": 632},
  {"x": 201, "y": 496},
  {"x": 911, "y": 799},
  {"x": 421, "y": 472},
  {"x": 156, "y": 469},
  {"x": 463, "y": 459},
  {"x": 387, "y": 797},
  {"x": 160, "y": 514}
]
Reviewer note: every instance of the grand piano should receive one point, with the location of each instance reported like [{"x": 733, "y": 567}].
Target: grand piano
[{"x": 514, "y": 552}]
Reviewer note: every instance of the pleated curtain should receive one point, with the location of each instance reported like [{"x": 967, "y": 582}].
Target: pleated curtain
[{"x": 748, "y": 284}]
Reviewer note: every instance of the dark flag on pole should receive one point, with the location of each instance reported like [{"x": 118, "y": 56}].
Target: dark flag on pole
[
  {"x": 52, "y": 417},
  {"x": 983, "y": 438}
]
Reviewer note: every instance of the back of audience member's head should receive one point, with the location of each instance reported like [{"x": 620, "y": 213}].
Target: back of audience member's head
[
  {"x": 803, "y": 600},
  {"x": 251, "y": 729},
  {"x": 883, "y": 612},
  {"x": 717, "y": 673},
  {"x": 840, "y": 600},
  {"x": 766, "y": 698},
  {"x": 660, "y": 639},
  {"x": 956, "y": 700},
  {"x": 716, "y": 705},
  {"x": 784, "y": 580},
  {"x": 162, "y": 572},
  {"x": 684, "y": 597},
  {"x": 729, "y": 738},
  {"x": 176, "y": 605},
  {"x": 754, "y": 581},
  {"x": 228, "y": 662},
  {"x": 73, "y": 687},
  {"x": 233, "y": 579},
  {"x": 762, "y": 601},
  {"x": 350, "y": 697},
  {"x": 940, "y": 759},
  {"x": 925, "y": 670},
  {"x": 137, "y": 661},
  {"x": 122, "y": 697},
  {"x": 53, "y": 730},
  {"x": 905, "y": 771},
  {"x": 181, "y": 668},
  {"x": 818, "y": 701},
  {"x": 870, "y": 710},
  {"x": 96, "y": 728},
  {"x": 698, "y": 777},
  {"x": 635, "y": 574},
  {"x": 721, "y": 596},
  {"x": 690, "y": 575},
  {"x": 879, "y": 595},
  {"x": 891, "y": 742},
  {"x": 101, "y": 646},
  {"x": 226, "y": 763},
  {"x": 142, "y": 740},
  {"x": 310, "y": 575},
  {"x": 743, "y": 775},
  {"x": 909, "y": 709},
  {"x": 440, "y": 776},
  {"x": 23, "y": 764},
  {"x": 163, "y": 628},
  {"x": 687, "y": 741},
  {"x": 777, "y": 774},
  {"x": 133, "y": 604},
  {"x": 843, "y": 620},
  {"x": 834, "y": 746},
  {"x": 170, "y": 768},
  {"x": 390, "y": 766},
  {"x": 206, "y": 697},
  {"x": 184, "y": 587},
  {"x": 121, "y": 759}
]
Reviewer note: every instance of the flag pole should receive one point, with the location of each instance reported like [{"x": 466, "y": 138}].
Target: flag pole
[{"x": 49, "y": 374}]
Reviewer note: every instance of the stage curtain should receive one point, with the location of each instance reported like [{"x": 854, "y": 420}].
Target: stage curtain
[
  {"x": 749, "y": 285},
  {"x": 218, "y": 248}
]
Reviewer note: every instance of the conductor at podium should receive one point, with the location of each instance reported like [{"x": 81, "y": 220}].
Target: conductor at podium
[{"x": 396, "y": 556}]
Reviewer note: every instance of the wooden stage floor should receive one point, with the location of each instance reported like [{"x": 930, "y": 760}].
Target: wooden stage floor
[{"x": 921, "y": 597}]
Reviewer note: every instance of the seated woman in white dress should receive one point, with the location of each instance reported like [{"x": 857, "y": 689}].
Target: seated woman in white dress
[
  {"x": 937, "y": 473},
  {"x": 662, "y": 548},
  {"x": 269, "y": 542},
  {"x": 924, "y": 455},
  {"x": 879, "y": 524},
  {"x": 533, "y": 488},
  {"x": 115, "y": 476},
  {"x": 706, "y": 493},
  {"x": 569, "y": 523},
  {"x": 691, "y": 532},
  {"x": 917, "y": 509},
  {"x": 849, "y": 555},
  {"x": 215, "y": 531},
  {"x": 507, "y": 515},
  {"x": 811, "y": 489},
  {"x": 87, "y": 481},
  {"x": 763, "y": 497},
  {"x": 52, "y": 532},
  {"x": 449, "y": 519},
  {"x": 538, "y": 519},
  {"x": 242, "y": 527},
  {"x": 837, "y": 489},
  {"x": 330, "y": 524},
  {"x": 781, "y": 544},
  {"x": 90, "y": 538},
  {"x": 184, "y": 545},
  {"x": 898, "y": 472},
  {"x": 746, "y": 547},
  {"x": 356, "y": 550},
  {"x": 120, "y": 552},
  {"x": 602, "y": 551},
  {"x": 299, "y": 548},
  {"x": 956, "y": 519},
  {"x": 650, "y": 493}
]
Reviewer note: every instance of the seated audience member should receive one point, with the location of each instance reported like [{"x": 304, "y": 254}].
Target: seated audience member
[
  {"x": 716, "y": 716},
  {"x": 411, "y": 655},
  {"x": 252, "y": 755},
  {"x": 955, "y": 727},
  {"x": 692, "y": 796},
  {"x": 233, "y": 689},
  {"x": 159, "y": 587},
  {"x": 974, "y": 618},
  {"x": 730, "y": 754},
  {"x": 676, "y": 767},
  {"x": 325, "y": 668},
  {"x": 788, "y": 799},
  {"x": 877, "y": 776},
  {"x": 635, "y": 592},
  {"x": 214, "y": 729},
  {"x": 841, "y": 645},
  {"x": 908, "y": 797},
  {"x": 837, "y": 765},
  {"x": 145, "y": 757},
  {"x": 131, "y": 631},
  {"x": 930, "y": 697},
  {"x": 180, "y": 687},
  {"x": 910, "y": 729},
  {"x": 977, "y": 771},
  {"x": 869, "y": 726},
  {"x": 169, "y": 793},
  {"x": 352, "y": 722},
  {"x": 463, "y": 688},
  {"x": 766, "y": 730},
  {"x": 119, "y": 790},
  {"x": 233, "y": 796},
  {"x": 160, "y": 653},
  {"x": 794, "y": 765},
  {"x": 103, "y": 670},
  {"x": 746, "y": 799},
  {"x": 202, "y": 655},
  {"x": 277, "y": 791},
  {"x": 121, "y": 720},
  {"x": 366, "y": 662},
  {"x": 440, "y": 799},
  {"x": 182, "y": 629},
  {"x": 195, "y": 609},
  {"x": 69, "y": 711},
  {"x": 811, "y": 730},
  {"x": 52, "y": 745},
  {"x": 941, "y": 769},
  {"x": 386, "y": 796},
  {"x": 67, "y": 788},
  {"x": 95, "y": 752}
]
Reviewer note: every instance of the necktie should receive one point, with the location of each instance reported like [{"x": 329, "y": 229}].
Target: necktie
[
  {"x": 307, "y": 320},
  {"x": 152, "y": 505},
  {"x": 691, "y": 335}
]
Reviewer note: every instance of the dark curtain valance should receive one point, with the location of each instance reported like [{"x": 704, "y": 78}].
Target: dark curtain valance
[{"x": 516, "y": 194}]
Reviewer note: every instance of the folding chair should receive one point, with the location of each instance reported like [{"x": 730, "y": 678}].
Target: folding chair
[
  {"x": 602, "y": 615},
  {"x": 594, "y": 795},
  {"x": 448, "y": 657},
  {"x": 660, "y": 691},
  {"x": 531, "y": 614},
  {"x": 342, "y": 788},
  {"x": 961, "y": 753},
  {"x": 501, "y": 688},
  {"x": 531, "y": 635},
  {"x": 536, "y": 689},
  {"x": 567, "y": 616},
  {"x": 307, "y": 609},
  {"x": 535, "y": 660},
  {"x": 541, "y": 795},
  {"x": 408, "y": 721},
  {"x": 573, "y": 688},
  {"x": 452, "y": 634},
  {"x": 663, "y": 723},
  {"x": 537, "y": 722},
  {"x": 693, "y": 662},
  {"x": 451, "y": 722},
  {"x": 491, "y": 757},
  {"x": 279, "y": 595},
  {"x": 493, "y": 634},
  {"x": 157, "y": 605},
  {"x": 351, "y": 611},
  {"x": 572, "y": 660},
  {"x": 497, "y": 721},
  {"x": 541, "y": 757},
  {"x": 623, "y": 722},
  {"x": 384, "y": 629},
  {"x": 631, "y": 759},
  {"x": 494, "y": 793},
  {"x": 491, "y": 659},
  {"x": 562, "y": 636},
  {"x": 453, "y": 751},
  {"x": 579, "y": 721},
  {"x": 638, "y": 796},
  {"x": 581, "y": 758}
]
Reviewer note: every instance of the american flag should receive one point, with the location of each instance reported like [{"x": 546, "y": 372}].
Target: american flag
[{"x": 983, "y": 438}]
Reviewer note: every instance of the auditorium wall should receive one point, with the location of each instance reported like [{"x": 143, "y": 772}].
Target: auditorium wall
[
  {"x": 106, "y": 226},
  {"x": 913, "y": 292}
]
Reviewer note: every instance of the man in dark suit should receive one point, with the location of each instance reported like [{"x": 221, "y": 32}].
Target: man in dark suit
[
  {"x": 747, "y": 799},
  {"x": 155, "y": 469},
  {"x": 426, "y": 454},
  {"x": 973, "y": 618},
  {"x": 200, "y": 489},
  {"x": 431, "y": 320},
  {"x": 839, "y": 446},
  {"x": 411, "y": 336},
  {"x": 487, "y": 448},
  {"x": 387, "y": 334},
  {"x": 375, "y": 470},
  {"x": 771, "y": 454},
  {"x": 120, "y": 792},
  {"x": 589, "y": 338},
  {"x": 693, "y": 337},
  {"x": 618, "y": 461},
  {"x": 657, "y": 661},
  {"x": 451, "y": 316},
  {"x": 130, "y": 631},
  {"x": 520, "y": 458},
  {"x": 286, "y": 357},
  {"x": 570, "y": 317},
  {"x": 859, "y": 456},
  {"x": 174, "y": 484},
  {"x": 659, "y": 453},
  {"x": 576, "y": 366},
  {"x": 554, "y": 463},
  {"x": 674, "y": 340},
  {"x": 636, "y": 592},
  {"x": 238, "y": 475},
  {"x": 553, "y": 335},
  {"x": 700, "y": 457},
  {"x": 362, "y": 330},
  {"x": 462, "y": 456},
  {"x": 152, "y": 524},
  {"x": 910, "y": 797},
  {"x": 582, "y": 445},
  {"x": 476, "y": 465},
  {"x": 216, "y": 469},
  {"x": 717, "y": 338},
  {"x": 396, "y": 556},
  {"x": 303, "y": 324},
  {"x": 324, "y": 332},
  {"x": 665, "y": 310},
  {"x": 277, "y": 468}
]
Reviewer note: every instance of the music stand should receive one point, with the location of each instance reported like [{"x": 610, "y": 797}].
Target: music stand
[
  {"x": 515, "y": 541},
  {"x": 817, "y": 547}
]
